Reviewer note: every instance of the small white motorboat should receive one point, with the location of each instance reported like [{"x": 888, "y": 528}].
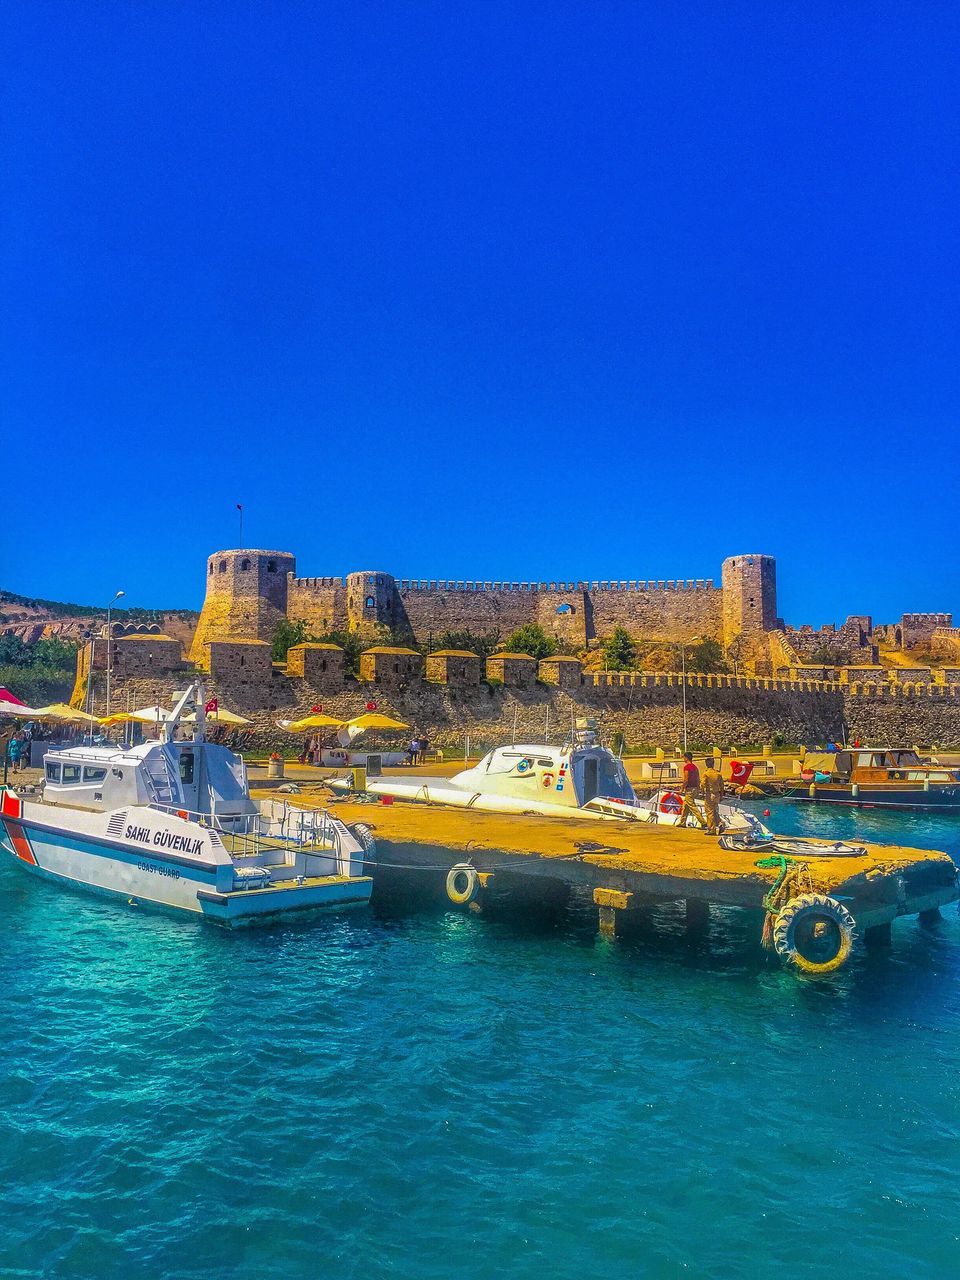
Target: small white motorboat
[
  {"x": 172, "y": 824},
  {"x": 580, "y": 779}
]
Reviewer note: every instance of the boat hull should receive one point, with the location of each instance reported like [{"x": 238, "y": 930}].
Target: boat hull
[
  {"x": 941, "y": 800},
  {"x": 88, "y": 862}
]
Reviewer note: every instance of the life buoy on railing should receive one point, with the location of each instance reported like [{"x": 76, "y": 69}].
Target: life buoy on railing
[
  {"x": 547, "y": 780},
  {"x": 671, "y": 802}
]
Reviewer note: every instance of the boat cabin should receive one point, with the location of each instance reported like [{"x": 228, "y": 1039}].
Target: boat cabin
[
  {"x": 198, "y": 778},
  {"x": 884, "y": 764},
  {"x": 568, "y": 775}
]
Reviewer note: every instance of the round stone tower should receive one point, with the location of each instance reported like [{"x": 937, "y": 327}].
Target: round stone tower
[
  {"x": 749, "y": 597},
  {"x": 246, "y": 597},
  {"x": 371, "y": 601}
]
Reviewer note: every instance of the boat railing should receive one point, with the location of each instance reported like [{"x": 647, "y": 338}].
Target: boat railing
[{"x": 276, "y": 826}]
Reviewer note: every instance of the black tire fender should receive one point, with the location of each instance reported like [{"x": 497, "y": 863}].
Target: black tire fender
[
  {"x": 814, "y": 933},
  {"x": 365, "y": 839}
]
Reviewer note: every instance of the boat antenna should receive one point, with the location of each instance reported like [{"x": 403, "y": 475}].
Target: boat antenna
[{"x": 514, "y": 739}]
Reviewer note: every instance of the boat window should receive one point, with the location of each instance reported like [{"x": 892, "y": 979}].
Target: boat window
[
  {"x": 865, "y": 759},
  {"x": 71, "y": 774},
  {"x": 90, "y": 774},
  {"x": 186, "y": 767},
  {"x": 53, "y": 771},
  {"x": 906, "y": 757},
  {"x": 844, "y": 760},
  {"x": 547, "y": 764}
]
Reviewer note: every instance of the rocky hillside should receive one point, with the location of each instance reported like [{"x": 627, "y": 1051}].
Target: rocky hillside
[{"x": 32, "y": 620}]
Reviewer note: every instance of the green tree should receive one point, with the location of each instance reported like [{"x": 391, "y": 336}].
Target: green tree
[
  {"x": 286, "y": 634},
  {"x": 707, "y": 655},
  {"x": 483, "y": 645},
  {"x": 54, "y": 652},
  {"x": 531, "y": 638},
  {"x": 619, "y": 651}
]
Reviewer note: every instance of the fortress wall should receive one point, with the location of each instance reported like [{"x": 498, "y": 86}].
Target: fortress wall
[
  {"x": 483, "y": 608},
  {"x": 321, "y": 602},
  {"x": 658, "y": 610},
  {"x": 922, "y": 714},
  {"x": 575, "y": 611},
  {"x": 849, "y": 644}
]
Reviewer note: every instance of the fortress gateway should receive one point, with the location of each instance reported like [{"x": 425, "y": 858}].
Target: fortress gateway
[{"x": 249, "y": 591}]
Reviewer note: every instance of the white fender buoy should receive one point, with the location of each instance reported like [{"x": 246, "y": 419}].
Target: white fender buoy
[{"x": 463, "y": 884}]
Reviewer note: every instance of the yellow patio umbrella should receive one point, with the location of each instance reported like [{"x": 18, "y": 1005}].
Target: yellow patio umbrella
[
  {"x": 312, "y": 722},
  {"x": 121, "y": 717},
  {"x": 223, "y": 716},
  {"x": 60, "y": 711},
  {"x": 373, "y": 721}
]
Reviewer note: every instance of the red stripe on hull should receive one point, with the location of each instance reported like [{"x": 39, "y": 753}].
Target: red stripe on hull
[{"x": 21, "y": 845}]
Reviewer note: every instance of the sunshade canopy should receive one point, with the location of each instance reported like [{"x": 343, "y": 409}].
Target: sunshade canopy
[
  {"x": 16, "y": 709},
  {"x": 222, "y": 716},
  {"x": 374, "y": 721},
  {"x": 60, "y": 711},
  {"x": 312, "y": 722},
  {"x": 7, "y": 696}
]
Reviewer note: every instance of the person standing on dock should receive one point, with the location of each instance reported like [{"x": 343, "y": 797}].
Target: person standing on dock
[
  {"x": 712, "y": 784},
  {"x": 690, "y": 792}
]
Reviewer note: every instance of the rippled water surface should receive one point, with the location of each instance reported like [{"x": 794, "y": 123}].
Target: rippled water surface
[{"x": 439, "y": 1094}]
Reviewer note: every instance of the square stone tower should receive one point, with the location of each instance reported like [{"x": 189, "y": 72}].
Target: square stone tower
[{"x": 749, "y": 597}]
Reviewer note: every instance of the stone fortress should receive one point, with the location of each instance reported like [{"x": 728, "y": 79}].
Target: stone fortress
[
  {"x": 249, "y": 591},
  {"x": 798, "y": 682}
]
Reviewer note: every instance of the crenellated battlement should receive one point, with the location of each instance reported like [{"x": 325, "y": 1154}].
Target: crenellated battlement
[
  {"x": 450, "y": 584},
  {"x": 313, "y": 584}
]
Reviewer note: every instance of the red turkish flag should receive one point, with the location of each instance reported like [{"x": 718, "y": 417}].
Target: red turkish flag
[
  {"x": 211, "y": 706},
  {"x": 740, "y": 772},
  {"x": 371, "y": 706},
  {"x": 316, "y": 708}
]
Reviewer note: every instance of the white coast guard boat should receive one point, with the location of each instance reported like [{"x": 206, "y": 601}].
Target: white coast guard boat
[
  {"x": 172, "y": 824},
  {"x": 581, "y": 779}
]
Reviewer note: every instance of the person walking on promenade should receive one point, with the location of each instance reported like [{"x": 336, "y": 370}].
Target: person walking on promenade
[
  {"x": 690, "y": 792},
  {"x": 712, "y": 784},
  {"x": 15, "y": 754}
]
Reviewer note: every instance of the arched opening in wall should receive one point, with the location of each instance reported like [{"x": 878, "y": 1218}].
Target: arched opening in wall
[
  {"x": 271, "y": 566},
  {"x": 211, "y": 568},
  {"x": 323, "y": 664},
  {"x": 751, "y": 602},
  {"x": 223, "y": 566},
  {"x": 898, "y": 637},
  {"x": 243, "y": 661},
  {"x": 369, "y": 602},
  {"x": 244, "y": 563},
  {"x": 565, "y": 608}
]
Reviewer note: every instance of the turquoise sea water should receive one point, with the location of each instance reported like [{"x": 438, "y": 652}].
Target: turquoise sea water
[{"x": 435, "y": 1094}]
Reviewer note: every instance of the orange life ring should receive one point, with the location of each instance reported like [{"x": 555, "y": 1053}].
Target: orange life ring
[
  {"x": 548, "y": 780},
  {"x": 671, "y": 802}
]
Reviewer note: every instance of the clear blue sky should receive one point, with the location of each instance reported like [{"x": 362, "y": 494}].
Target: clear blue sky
[{"x": 482, "y": 290}]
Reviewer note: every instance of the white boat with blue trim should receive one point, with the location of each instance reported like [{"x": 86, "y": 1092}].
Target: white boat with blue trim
[
  {"x": 172, "y": 824},
  {"x": 580, "y": 779}
]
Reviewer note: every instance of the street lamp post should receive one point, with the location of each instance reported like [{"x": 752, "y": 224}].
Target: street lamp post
[{"x": 110, "y": 645}]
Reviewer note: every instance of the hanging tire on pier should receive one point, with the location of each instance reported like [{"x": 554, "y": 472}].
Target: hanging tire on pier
[
  {"x": 463, "y": 884},
  {"x": 365, "y": 839},
  {"x": 814, "y": 933}
]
